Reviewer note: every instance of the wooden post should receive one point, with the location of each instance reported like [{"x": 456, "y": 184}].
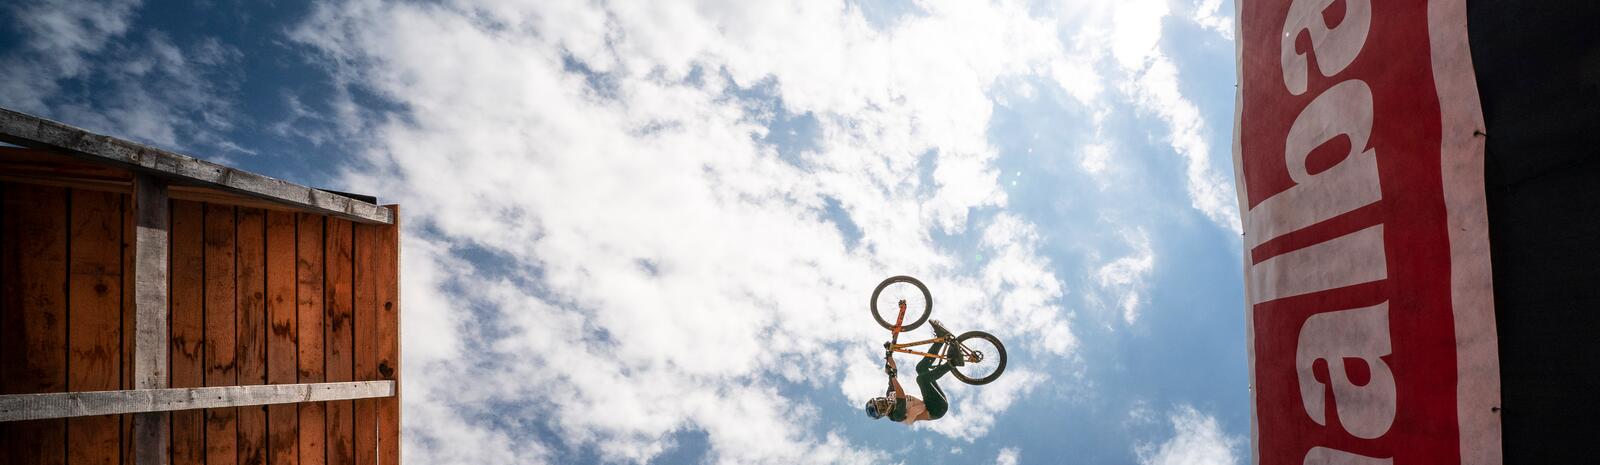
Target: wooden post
[{"x": 151, "y": 219}]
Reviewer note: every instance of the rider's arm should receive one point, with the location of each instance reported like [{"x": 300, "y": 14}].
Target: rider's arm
[{"x": 894, "y": 383}]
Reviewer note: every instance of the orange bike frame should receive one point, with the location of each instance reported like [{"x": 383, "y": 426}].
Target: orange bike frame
[
  {"x": 894, "y": 338},
  {"x": 901, "y": 348}
]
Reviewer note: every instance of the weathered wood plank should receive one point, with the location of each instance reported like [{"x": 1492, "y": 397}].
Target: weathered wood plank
[
  {"x": 20, "y": 160},
  {"x": 221, "y": 352},
  {"x": 151, "y": 222},
  {"x": 309, "y": 277},
  {"x": 338, "y": 301},
  {"x": 128, "y": 332},
  {"x": 387, "y": 265},
  {"x": 101, "y": 185},
  {"x": 19, "y": 407},
  {"x": 31, "y": 131},
  {"x": 33, "y": 314},
  {"x": 252, "y": 328},
  {"x": 150, "y": 226},
  {"x": 188, "y": 326},
  {"x": 94, "y": 320},
  {"x": 365, "y": 334},
  {"x": 282, "y": 420},
  {"x": 123, "y": 186}
]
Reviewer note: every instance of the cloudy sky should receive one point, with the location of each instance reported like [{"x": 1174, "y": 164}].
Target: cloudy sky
[{"x": 646, "y": 232}]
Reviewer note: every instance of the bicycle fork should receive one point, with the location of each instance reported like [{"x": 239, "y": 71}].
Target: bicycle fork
[{"x": 894, "y": 336}]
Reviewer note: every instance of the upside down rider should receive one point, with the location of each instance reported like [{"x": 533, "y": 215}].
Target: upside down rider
[{"x": 903, "y": 408}]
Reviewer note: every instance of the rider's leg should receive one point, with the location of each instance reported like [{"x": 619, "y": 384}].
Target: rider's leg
[
  {"x": 927, "y": 363},
  {"x": 933, "y": 397},
  {"x": 927, "y": 380}
]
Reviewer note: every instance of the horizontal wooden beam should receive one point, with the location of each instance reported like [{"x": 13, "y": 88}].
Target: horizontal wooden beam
[
  {"x": 178, "y": 192},
  {"x": 32, "y": 131},
  {"x": 18, "y": 407}
]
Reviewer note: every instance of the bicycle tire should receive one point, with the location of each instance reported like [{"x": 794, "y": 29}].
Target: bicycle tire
[
  {"x": 913, "y": 323},
  {"x": 999, "y": 356}
]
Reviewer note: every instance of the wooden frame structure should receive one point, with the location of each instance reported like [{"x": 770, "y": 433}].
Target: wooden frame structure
[{"x": 156, "y": 308}]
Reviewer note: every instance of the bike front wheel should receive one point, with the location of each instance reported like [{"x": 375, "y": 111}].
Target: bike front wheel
[
  {"x": 985, "y": 358},
  {"x": 886, "y": 302}
]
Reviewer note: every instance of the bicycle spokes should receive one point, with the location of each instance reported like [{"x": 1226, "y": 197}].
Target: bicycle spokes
[
  {"x": 979, "y": 355},
  {"x": 901, "y": 295},
  {"x": 901, "y": 303}
]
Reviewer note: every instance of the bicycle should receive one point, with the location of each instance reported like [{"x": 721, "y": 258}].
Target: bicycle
[{"x": 976, "y": 357}]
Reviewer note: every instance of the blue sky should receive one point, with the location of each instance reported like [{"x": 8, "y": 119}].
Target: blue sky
[{"x": 644, "y": 232}]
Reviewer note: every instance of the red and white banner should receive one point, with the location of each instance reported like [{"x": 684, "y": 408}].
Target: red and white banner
[{"x": 1359, "y": 160}]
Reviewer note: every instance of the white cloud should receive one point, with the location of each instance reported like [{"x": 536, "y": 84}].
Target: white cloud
[
  {"x": 60, "y": 34},
  {"x": 1196, "y": 439},
  {"x": 1008, "y": 456},
  {"x": 1128, "y": 34},
  {"x": 1208, "y": 15},
  {"x": 973, "y": 408},
  {"x": 141, "y": 86},
  {"x": 1140, "y": 414},
  {"x": 600, "y": 253},
  {"x": 1094, "y": 159},
  {"x": 1124, "y": 279},
  {"x": 1028, "y": 291},
  {"x": 1156, "y": 91},
  {"x": 642, "y": 266}
]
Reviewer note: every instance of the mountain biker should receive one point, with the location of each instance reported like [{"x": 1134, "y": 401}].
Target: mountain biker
[{"x": 908, "y": 409}]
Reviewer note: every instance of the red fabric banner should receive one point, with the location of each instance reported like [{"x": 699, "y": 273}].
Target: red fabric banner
[{"x": 1359, "y": 162}]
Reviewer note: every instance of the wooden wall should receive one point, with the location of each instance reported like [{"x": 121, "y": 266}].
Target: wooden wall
[{"x": 257, "y": 297}]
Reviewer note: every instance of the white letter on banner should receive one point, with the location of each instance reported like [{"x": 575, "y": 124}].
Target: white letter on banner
[
  {"x": 1346, "y": 260},
  {"x": 1365, "y": 411},
  {"x": 1326, "y": 456},
  {"x": 1335, "y": 48},
  {"x": 1344, "y": 109}
]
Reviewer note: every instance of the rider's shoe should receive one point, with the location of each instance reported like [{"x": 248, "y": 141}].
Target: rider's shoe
[
  {"x": 952, "y": 351},
  {"x": 952, "y": 354}
]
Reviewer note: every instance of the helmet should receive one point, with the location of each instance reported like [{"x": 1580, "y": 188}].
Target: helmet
[{"x": 875, "y": 408}]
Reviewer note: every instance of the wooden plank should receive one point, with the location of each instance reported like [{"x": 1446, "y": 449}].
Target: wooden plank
[
  {"x": 124, "y": 186},
  {"x": 4, "y": 316},
  {"x": 366, "y": 341},
  {"x": 282, "y": 420},
  {"x": 20, "y": 160},
  {"x": 90, "y": 184},
  {"x": 128, "y": 332},
  {"x": 309, "y": 276},
  {"x": 213, "y": 195},
  {"x": 32, "y": 131},
  {"x": 150, "y": 224},
  {"x": 338, "y": 301},
  {"x": 94, "y": 319},
  {"x": 19, "y": 407},
  {"x": 188, "y": 326},
  {"x": 221, "y": 434},
  {"x": 33, "y": 315},
  {"x": 387, "y": 266},
  {"x": 252, "y": 328}
]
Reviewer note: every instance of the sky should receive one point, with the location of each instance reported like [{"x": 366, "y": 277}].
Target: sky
[{"x": 647, "y": 232}]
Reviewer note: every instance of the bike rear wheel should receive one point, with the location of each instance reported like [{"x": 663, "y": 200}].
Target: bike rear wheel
[
  {"x": 886, "y": 302},
  {"x": 985, "y": 358}
]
